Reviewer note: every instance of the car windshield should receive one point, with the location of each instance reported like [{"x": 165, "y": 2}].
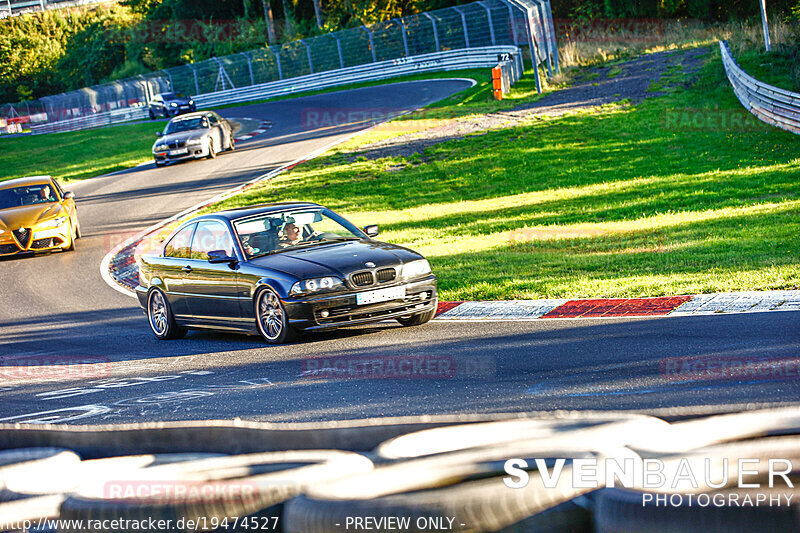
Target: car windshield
[
  {"x": 30, "y": 195},
  {"x": 169, "y": 96},
  {"x": 286, "y": 230},
  {"x": 186, "y": 124}
]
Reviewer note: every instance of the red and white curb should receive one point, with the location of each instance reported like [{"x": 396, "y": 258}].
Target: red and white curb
[
  {"x": 263, "y": 126},
  {"x": 688, "y": 305}
]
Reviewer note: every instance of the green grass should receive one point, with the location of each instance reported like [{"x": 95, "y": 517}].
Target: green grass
[
  {"x": 623, "y": 201},
  {"x": 80, "y": 154}
]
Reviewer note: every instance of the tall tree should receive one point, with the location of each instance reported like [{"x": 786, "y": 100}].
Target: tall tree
[
  {"x": 318, "y": 13},
  {"x": 269, "y": 20}
]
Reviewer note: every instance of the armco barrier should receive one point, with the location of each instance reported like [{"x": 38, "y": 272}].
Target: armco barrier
[
  {"x": 465, "y": 58},
  {"x": 769, "y": 104},
  {"x": 451, "y": 60}
]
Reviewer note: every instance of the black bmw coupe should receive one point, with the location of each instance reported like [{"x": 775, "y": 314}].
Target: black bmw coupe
[{"x": 278, "y": 268}]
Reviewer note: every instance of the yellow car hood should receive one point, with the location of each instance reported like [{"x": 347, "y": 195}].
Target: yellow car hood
[{"x": 27, "y": 216}]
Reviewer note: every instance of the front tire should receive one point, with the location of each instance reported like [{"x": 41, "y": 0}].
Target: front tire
[
  {"x": 271, "y": 318},
  {"x": 160, "y": 317},
  {"x": 72, "y": 238},
  {"x": 212, "y": 153},
  {"x": 152, "y": 115},
  {"x": 419, "y": 318}
]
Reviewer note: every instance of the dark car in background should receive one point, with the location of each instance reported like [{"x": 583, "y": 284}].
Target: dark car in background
[
  {"x": 275, "y": 269},
  {"x": 193, "y": 136},
  {"x": 171, "y": 104}
]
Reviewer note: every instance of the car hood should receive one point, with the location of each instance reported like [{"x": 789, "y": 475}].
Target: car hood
[
  {"x": 28, "y": 215},
  {"x": 179, "y": 101},
  {"x": 181, "y": 136},
  {"x": 337, "y": 259}
]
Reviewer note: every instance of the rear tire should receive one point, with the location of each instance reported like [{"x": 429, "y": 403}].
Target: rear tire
[
  {"x": 419, "y": 318},
  {"x": 159, "y": 315},
  {"x": 152, "y": 115}
]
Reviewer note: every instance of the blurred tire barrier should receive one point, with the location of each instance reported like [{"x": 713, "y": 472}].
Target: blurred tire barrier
[
  {"x": 420, "y": 473},
  {"x": 775, "y": 106},
  {"x": 210, "y": 489}
]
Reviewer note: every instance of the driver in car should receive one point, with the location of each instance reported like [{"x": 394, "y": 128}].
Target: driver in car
[
  {"x": 45, "y": 195},
  {"x": 290, "y": 234}
]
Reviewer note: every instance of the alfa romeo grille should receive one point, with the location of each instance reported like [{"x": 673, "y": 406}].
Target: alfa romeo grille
[
  {"x": 362, "y": 279},
  {"x": 386, "y": 274},
  {"x": 23, "y": 236}
]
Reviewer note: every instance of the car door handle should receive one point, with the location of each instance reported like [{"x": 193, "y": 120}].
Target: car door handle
[{"x": 187, "y": 269}]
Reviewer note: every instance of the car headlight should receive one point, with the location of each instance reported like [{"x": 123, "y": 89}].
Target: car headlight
[
  {"x": 54, "y": 223},
  {"x": 191, "y": 102},
  {"x": 173, "y": 104},
  {"x": 415, "y": 269},
  {"x": 161, "y": 148},
  {"x": 194, "y": 142},
  {"x": 316, "y": 285}
]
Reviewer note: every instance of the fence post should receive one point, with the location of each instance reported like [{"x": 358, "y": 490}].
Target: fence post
[
  {"x": 171, "y": 83},
  {"x": 543, "y": 29},
  {"x": 552, "y": 27},
  {"x": 531, "y": 41},
  {"x": 464, "y": 23},
  {"x": 196, "y": 84},
  {"x": 250, "y": 68},
  {"x": 339, "y": 48},
  {"x": 308, "y": 53},
  {"x": 405, "y": 37},
  {"x": 435, "y": 31},
  {"x": 489, "y": 16},
  {"x": 371, "y": 44},
  {"x": 278, "y": 61}
]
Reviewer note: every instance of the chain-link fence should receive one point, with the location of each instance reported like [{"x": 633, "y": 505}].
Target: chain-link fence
[
  {"x": 525, "y": 23},
  {"x": 9, "y": 8}
]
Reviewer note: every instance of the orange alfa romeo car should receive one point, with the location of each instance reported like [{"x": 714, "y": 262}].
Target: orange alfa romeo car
[{"x": 36, "y": 215}]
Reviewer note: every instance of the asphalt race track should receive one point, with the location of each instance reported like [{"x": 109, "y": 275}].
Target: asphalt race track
[{"x": 57, "y": 310}]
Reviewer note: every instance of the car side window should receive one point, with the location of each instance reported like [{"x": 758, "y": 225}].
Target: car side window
[
  {"x": 179, "y": 244},
  {"x": 58, "y": 188},
  {"x": 213, "y": 120},
  {"x": 211, "y": 235}
]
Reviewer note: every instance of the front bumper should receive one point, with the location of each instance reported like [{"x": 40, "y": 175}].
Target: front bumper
[
  {"x": 342, "y": 309},
  {"x": 41, "y": 240},
  {"x": 193, "y": 152}
]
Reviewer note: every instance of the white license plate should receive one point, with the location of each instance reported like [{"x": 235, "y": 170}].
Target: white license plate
[
  {"x": 381, "y": 295},
  {"x": 179, "y": 152}
]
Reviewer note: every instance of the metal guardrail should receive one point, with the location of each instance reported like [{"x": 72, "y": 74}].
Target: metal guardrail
[
  {"x": 481, "y": 24},
  {"x": 775, "y": 106},
  {"x": 451, "y": 60}
]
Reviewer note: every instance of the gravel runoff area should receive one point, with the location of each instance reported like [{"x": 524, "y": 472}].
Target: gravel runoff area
[{"x": 630, "y": 81}]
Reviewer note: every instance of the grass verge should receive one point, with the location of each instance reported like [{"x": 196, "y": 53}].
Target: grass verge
[{"x": 685, "y": 193}]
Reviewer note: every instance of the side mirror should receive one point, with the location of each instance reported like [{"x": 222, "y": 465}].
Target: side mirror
[
  {"x": 216, "y": 257},
  {"x": 159, "y": 134},
  {"x": 68, "y": 195},
  {"x": 371, "y": 230}
]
